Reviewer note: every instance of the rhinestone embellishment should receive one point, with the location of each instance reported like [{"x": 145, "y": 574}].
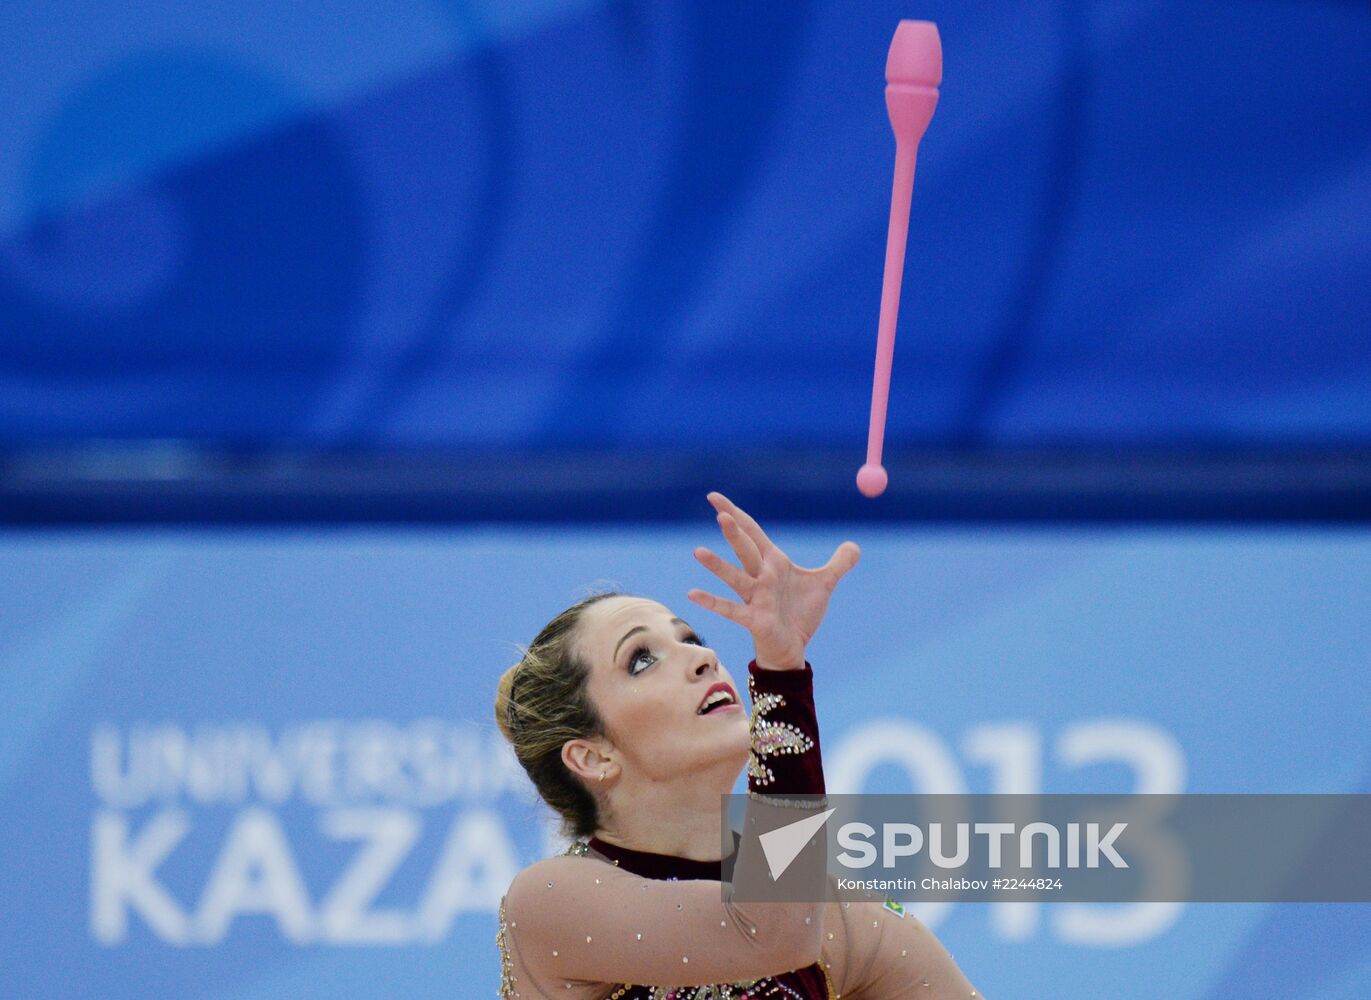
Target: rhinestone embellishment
[{"x": 770, "y": 739}]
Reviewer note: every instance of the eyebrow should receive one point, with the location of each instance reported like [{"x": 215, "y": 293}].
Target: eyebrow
[{"x": 641, "y": 628}]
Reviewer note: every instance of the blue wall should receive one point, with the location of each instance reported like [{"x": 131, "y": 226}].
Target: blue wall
[
  {"x": 433, "y": 223},
  {"x": 355, "y": 671}
]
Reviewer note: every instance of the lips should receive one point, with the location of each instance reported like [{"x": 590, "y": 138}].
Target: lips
[{"x": 711, "y": 701}]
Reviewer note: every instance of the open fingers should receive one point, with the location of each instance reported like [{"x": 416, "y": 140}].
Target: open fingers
[
  {"x": 745, "y": 520},
  {"x": 732, "y": 610},
  {"x": 743, "y": 546},
  {"x": 725, "y": 571}
]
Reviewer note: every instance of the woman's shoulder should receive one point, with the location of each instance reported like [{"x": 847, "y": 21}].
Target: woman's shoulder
[{"x": 544, "y": 877}]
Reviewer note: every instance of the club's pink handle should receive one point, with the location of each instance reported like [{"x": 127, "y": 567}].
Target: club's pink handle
[{"x": 913, "y": 71}]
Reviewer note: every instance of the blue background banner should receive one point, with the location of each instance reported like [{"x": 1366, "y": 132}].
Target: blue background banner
[
  {"x": 248, "y": 765},
  {"x": 437, "y": 224}
]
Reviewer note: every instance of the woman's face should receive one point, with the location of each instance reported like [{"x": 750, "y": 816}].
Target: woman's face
[{"x": 651, "y": 678}]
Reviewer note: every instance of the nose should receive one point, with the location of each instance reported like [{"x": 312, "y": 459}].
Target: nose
[{"x": 708, "y": 665}]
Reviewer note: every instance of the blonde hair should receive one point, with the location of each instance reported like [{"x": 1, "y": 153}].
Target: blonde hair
[{"x": 540, "y": 703}]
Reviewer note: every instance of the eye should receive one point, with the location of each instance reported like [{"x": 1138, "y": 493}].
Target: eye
[
  {"x": 695, "y": 639},
  {"x": 640, "y": 655}
]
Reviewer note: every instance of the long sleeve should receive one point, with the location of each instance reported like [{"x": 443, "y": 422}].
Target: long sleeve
[
  {"x": 785, "y": 733},
  {"x": 871, "y": 952},
  {"x": 572, "y": 925}
]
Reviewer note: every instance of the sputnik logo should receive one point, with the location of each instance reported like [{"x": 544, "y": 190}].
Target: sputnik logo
[{"x": 783, "y": 844}]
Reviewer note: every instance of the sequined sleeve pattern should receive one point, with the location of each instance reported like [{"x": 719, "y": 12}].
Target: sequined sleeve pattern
[{"x": 785, "y": 757}]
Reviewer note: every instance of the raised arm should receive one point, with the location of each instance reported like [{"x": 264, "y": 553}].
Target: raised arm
[{"x": 572, "y": 924}]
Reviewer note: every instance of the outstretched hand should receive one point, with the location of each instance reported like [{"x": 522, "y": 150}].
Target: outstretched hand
[{"x": 782, "y": 604}]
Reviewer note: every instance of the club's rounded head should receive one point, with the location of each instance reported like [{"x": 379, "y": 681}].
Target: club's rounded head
[
  {"x": 916, "y": 55},
  {"x": 872, "y": 480}
]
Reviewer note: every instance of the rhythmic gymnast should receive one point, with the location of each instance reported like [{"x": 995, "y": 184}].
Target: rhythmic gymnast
[{"x": 632, "y": 730}]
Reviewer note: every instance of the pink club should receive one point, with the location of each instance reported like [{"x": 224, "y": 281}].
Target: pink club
[{"x": 913, "y": 71}]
